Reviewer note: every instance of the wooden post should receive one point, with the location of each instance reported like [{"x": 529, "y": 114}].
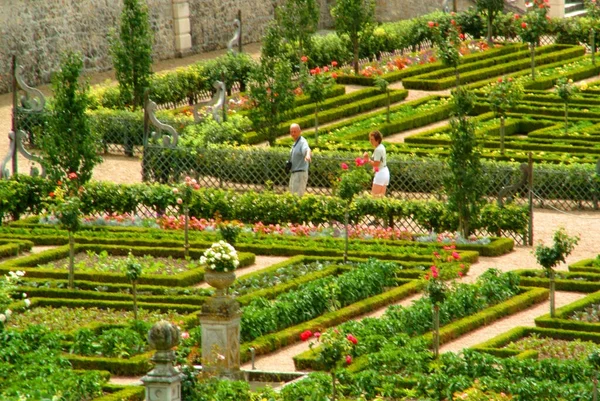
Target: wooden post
[
  {"x": 530, "y": 185},
  {"x": 436, "y": 331},
  {"x": 14, "y": 128},
  {"x": 239, "y": 17}
]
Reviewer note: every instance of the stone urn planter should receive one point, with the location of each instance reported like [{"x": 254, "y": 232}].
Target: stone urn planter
[{"x": 219, "y": 280}]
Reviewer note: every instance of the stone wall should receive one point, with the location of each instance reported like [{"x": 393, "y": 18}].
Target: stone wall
[{"x": 38, "y": 32}]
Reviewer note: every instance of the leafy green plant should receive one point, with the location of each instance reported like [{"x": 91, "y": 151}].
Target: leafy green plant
[
  {"x": 354, "y": 18},
  {"x": 503, "y": 95},
  {"x": 550, "y": 257},
  {"x": 463, "y": 185},
  {"x": 68, "y": 145},
  {"x": 335, "y": 350},
  {"x": 566, "y": 90},
  {"x": 133, "y": 273},
  {"x": 298, "y": 20},
  {"x": 491, "y": 8},
  {"x": 271, "y": 96},
  {"x": 532, "y": 26},
  {"x": 316, "y": 84},
  {"x": 131, "y": 51},
  {"x": 230, "y": 231},
  {"x": 447, "y": 39}
]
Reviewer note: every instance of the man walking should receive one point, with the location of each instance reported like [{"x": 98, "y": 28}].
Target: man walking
[{"x": 300, "y": 157}]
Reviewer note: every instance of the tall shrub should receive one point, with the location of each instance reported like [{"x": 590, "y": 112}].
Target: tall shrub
[
  {"x": 298, "y": 20},
  {"x": 131, "y": 52},
  {"x": 503, "y": 95},
  {"x": 491, "y": 8},
  {"x": 355, "y": 19},
  {"x": 69, "y": 146},
  {"x": 532, "y": 26},
  {"x": 271, "y": 93},
  {"x": 464, "y": 185}
]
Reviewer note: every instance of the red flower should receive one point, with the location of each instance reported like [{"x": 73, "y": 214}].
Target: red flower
[
  {"x": 344, "y": 166},
  {"x": 426, "y": 277},
  {"x": 51, "y": 194},
  {"x": 325, "y": 69},
  {"x": 59, "y": 183},
  {"x": 431, "y": 24},
  {"x": 348, "y": 359},
  {"x": 434, "y": 271},
  {"x": 500, "y": 80},
  {"x": 304, "y": 59},
  {"x": 453, "y": 22},
  {"x": 334, "y": 63},
  {"x": 312, "y": 72},
  {"x": 462, "y": 36},
  {"x": 317, "y": 70},
  {"x": 523, "y": 25},
  {"x": 305, "y": 335},
  {"x": 460, "y": 274},
  {"x": 455, "y": 255},
  {"x": 376, "y": 169},
  {"x": 334, "y": 75},
  {"x": 517, "y": 16},
  {"x": 72, "y": 176},
  {"x": 359, "y": 161},
  {"x": 352, "y": 339},
  {"x": 437, "y": 255}
]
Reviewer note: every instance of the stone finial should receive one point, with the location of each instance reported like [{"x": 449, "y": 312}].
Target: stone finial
[{"x": 163, "y": 336}]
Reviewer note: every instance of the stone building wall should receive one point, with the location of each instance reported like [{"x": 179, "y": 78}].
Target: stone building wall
[{"x": 38, "y": 32}]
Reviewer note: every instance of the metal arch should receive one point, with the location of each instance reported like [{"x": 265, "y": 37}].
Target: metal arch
[
  {"x": 34, "y": 100},
  {"x": 171, "y": 137},
  {"x": 216, "y": 102},
  {"x": 16, "y": 142},
  {"x": 236, "y": 36}
]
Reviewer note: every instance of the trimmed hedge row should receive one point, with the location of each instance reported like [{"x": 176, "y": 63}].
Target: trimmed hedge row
[
  {"x": 267, "y": 207},
  {"x": 445, "y": 79},
  {"x": 124, "y": 393},
  {"x": 568, "y": 281},
  {"x": 10, "y": 247},
  {"x": 495, "y": 346},
  {"x": 134, "y": 366},
  {"x": 307, "y": 360},
  {"x": 423, "y": 69},
  {"x": 337, "y": 113},
  {"x": 272, "y": 342},
  {"x": 562, "y": 321},
  {"x": 188, "y": 278},
  {"x": 585, "y": 265}
]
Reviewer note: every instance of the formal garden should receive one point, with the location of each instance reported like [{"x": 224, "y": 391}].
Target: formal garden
[{"x": 183, "y": 281}]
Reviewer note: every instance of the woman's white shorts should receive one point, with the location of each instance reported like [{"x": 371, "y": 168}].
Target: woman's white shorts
[{"x": 382, "y": 177}]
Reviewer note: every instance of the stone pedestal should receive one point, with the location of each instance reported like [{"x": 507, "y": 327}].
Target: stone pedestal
[
  {"x": 182, "y": 27},
  {"x": 220, "y": 320},
  {"x": 163, "y": 383}
]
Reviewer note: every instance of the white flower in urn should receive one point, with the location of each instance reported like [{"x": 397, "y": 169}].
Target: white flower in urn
[{"x": 220, "y": 257}]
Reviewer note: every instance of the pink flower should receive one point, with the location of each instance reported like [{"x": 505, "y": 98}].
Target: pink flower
[
  {"x": 376, "y": 169},
  {"x": 352, "y": 339},
  {"x": 185, "y": 335},
  {"x": 313, "y": 71},
  {"x": 179, "y": 201},
  {"x": 344, "y": 166},
  {"x": 334, "y": 63},
  {"x": 460, "y": 274},
  {"x": 359, "y": 161},
  {"x": 304, "y": 59},
  {"x": 175, "y": 190},
  {"x": 348, "y": 359},
  {"x": 325, "y": 69},
  {"x": 72, "y": 176},
  {"x": 455, "y": 255},
  {"x": 431, "y": 24},
  {"x": 317, "y": 334}
]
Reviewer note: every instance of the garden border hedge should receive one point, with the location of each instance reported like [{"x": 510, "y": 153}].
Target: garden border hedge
[
  {"x": 181, "y": 280},
  {"x": 562, "y": 284},
  {"x": 495, "y": 345},
  {"x": 561, "y": 321},
  {"x": 452, "y": 330}
]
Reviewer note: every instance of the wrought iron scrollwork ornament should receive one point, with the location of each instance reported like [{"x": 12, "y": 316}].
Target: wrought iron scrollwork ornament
[
  {"x": 236, "y": 36},
  {"x": 164, "y": 133},
  {"x": 217, "y": 102},
  {"x": 509, "y": 190},
  {"x": 33, "y": 100},
  {"x": 14, "y": 148}
]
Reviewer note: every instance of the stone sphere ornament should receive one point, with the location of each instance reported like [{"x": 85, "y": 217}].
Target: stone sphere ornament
[{"x": 163, "y": 336}]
